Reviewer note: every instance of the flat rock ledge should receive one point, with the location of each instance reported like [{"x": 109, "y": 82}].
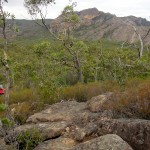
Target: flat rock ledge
[{"x": 106, "y": 142}]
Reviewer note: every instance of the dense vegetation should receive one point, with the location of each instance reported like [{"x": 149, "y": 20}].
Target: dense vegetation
[
  {"x": 55, "y": 65},
  {"x": 45, "y": 71},
  {"x": 39, "y": 75}
]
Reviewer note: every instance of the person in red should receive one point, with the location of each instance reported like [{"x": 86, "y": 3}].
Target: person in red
[{"x": 2, "y": 91}]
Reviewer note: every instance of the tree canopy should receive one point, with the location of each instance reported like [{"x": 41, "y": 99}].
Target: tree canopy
[{"x": 34, "y": 6}]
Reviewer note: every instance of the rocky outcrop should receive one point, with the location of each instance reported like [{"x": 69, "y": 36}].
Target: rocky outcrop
[
  {"x": 79, "y": 126},
  {"x": 79, "y": 134},
  {"x": 110, "y": 141},
  {"x": 97, "y": 103},
  {"x": 48, "y": 130},
  {"x": 57, "y": 144},
  {"x": 106, "y": 142},
  {"x": 134, "y": 131},
  {"x": 65, "y": 111}
]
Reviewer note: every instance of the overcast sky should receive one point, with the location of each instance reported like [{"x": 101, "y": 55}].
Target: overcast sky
[{"x": 139, "y": 8}]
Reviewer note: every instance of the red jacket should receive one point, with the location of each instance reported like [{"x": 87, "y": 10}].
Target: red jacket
[{"x": 2, "y": 91}]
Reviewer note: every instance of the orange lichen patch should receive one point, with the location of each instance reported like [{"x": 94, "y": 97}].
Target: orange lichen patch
[{"x": 89, "y": 16}]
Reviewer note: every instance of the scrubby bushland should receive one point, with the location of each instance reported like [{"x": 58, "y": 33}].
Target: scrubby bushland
[
  {"x": 23, "y": 103},
  {"x": 42, "y": 78},
  {"x": 83, "y": 92},
  {"x": 133, "y": 102}
]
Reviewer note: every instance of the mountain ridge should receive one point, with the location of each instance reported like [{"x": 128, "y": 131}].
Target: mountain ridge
[
  {"x": 109, "y": 26},
  {"x": 94, "y": 25}
]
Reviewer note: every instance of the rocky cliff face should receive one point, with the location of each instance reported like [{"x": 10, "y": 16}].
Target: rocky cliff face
[
  {"x": 96, "y": 24},
  {"x": 84, "y": 126}
]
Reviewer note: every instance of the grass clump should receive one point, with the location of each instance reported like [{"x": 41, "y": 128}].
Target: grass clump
[
  {"x": 23, "y": 95},
  {"x": 29, "y": 139}
]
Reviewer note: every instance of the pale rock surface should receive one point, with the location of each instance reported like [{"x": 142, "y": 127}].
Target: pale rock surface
[
  {"x": 106, "y": 142},
  {"x": 96, "y": 104}
]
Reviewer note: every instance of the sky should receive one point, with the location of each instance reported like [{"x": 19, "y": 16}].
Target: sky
[{"x": 138, "y": 8}]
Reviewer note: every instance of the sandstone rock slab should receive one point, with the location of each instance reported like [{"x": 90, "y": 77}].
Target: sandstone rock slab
[
  {"x": 65, "y": 111},
  {"x": 57, "y": 144},
  {"x": 95, "y": 104},
  {"x": 106, "y": 142},
  {"x": 134, "y": 131}
]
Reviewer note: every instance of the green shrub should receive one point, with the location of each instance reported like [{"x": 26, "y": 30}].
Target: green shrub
[
  {"x": 6, "y": 122},
  {"x": 3, "y": 107},
  {"x": 29, "y": 139}
]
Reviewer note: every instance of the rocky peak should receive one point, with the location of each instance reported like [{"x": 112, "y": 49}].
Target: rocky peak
[
  {"x": 89, "y": 13},
  {"x": 137, "y": 20}
]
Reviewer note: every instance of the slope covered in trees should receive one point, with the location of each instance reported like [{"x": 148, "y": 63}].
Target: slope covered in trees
[
  {"x": 60, "y": 66},
  {"x": 94, "y": 25},
  {"x": 89, "y": 57}
]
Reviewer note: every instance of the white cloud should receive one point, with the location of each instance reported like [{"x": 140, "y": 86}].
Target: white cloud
[{"x": 139, "y": 8}]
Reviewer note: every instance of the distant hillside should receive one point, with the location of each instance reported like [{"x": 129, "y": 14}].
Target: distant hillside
[
  {"x": 28, "y": 29},
  {"x": 95, "y": 24}
]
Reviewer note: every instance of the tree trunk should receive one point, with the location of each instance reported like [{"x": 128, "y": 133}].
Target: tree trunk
[
  {"x": 141, "y": 46},
  {"x": 80, "y": 75},
  {"x": 7, "y": 87},
  {"x": 141, "y": 42},
  {"x": 79, "y": 68},
  {"x": 95, "y": 74}
]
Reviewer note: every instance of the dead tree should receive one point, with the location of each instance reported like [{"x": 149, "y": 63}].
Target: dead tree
[{"x": 140, "y": 37}]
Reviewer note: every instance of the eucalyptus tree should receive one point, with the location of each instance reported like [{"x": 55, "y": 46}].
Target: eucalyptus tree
[
  {"x": 38, "y": 8},
  {"x": 75, "y": 49},
  {"x": 62, "y": 29}
]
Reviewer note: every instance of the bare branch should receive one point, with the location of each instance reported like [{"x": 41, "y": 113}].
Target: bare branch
[
  {"x": 146, "y": 34},
  {"x": 140, "y": 50}
]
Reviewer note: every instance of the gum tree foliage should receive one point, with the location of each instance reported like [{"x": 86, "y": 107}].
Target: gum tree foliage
[
  {"x": 62, "y": 30},
  {"x": 73, "y": 48},
  {"x": 38, "y": 7},
  {"x": 34, "y": 6}
]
